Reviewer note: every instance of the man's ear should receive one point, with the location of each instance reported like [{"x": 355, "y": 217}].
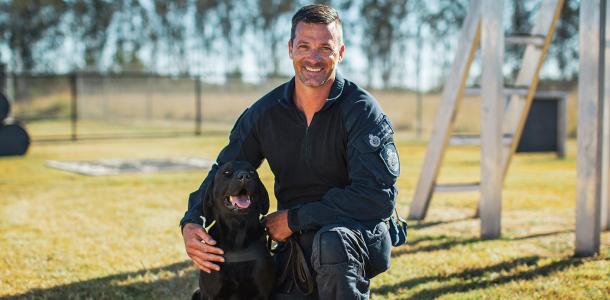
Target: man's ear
[
  {"x": 290, "y": 48},
  {"x": 263, "y": 198},
  {"x": 341, "y": 52},
  {"x": 208, "y": 204}
]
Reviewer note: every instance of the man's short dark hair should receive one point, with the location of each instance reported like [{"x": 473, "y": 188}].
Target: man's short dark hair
[{"x": 317, "y": 14}]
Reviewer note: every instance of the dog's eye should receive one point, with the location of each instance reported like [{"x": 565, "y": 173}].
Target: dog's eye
[{"x": 228, "y": 173}]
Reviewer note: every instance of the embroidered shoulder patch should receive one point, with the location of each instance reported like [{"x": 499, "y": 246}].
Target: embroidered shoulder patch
[{"x": 390, "y": 157}]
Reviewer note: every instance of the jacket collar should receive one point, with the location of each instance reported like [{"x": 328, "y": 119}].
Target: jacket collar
[{"x": 335, "y": 92}]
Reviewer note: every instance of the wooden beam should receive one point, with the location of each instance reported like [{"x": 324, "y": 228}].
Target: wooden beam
[
  {"x": 590, "y": 94},
  {"x": 605, "y": 181},
  {"x": 492, "y": 107},
  {"x": 452, "y": 95},
  {"x": 518, "y": 107}
]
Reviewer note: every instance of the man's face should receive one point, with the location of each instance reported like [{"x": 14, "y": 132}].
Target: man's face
[{"x": 315, "y": 52}]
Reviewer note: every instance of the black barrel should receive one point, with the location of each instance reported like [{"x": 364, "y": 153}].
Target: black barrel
[
  {"x": 14, "y": 140},
  {"x": 5, "y": 107}
]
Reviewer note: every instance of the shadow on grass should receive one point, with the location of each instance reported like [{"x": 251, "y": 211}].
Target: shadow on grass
[
  {"x": 422, "y": 225},
  {"x": 427, "y": 238},
  {"x": 539, "y": 235},
  {"x": 453, "y": 242},
  {"x": 473, "y": 279},
  {"x": 175, "y": 281},
  {"x": 435, "y": 247}
]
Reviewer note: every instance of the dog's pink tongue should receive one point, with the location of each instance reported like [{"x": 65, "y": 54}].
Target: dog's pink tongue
[{"x": 241, "y": 201}]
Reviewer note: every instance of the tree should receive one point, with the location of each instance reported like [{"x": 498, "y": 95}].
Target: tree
[
  {"x": 168, "y": 32},
  {"x": 564, "y": 50},
  {"x": 382, "y": 34},
  {"x": 89, "y": 24},
  {"x": 27, "y": 24},
  {"x": 270, "y": 13}
]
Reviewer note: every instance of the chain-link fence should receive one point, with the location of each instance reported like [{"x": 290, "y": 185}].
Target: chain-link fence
[{"x": 93, "y": 105}]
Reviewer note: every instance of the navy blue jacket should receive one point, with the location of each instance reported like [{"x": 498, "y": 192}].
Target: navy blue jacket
[{"x": 342, "y": 167}]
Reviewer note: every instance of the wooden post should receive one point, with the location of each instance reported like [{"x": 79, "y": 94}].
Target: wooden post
[
  {"x": 590, "y": 94},
  {"x": 605, "y": 181},
  {"x": 492, "y": 105}
]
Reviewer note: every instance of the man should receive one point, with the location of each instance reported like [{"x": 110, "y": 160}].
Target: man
[{"x": 331, "y": 150}]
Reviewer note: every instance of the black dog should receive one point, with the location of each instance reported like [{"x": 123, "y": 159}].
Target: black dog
[{"x": 235, "y": 200}]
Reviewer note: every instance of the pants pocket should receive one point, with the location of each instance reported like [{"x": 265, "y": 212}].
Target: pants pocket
[{"x": 379, "y": 247}]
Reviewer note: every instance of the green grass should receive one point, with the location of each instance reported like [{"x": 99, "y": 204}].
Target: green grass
[{"x": 68, "y": 236}]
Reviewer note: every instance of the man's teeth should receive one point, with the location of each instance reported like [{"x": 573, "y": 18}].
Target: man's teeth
[{"x": 310, "y": 69}]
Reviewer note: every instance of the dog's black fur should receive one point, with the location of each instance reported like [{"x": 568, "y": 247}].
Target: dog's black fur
[{"x": 236, "y": 229}]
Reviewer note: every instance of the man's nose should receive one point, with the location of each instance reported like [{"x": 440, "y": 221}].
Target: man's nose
[{"x": 315, "y": 55}]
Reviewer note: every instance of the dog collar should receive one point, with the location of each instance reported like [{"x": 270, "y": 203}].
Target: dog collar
[{"x": 255, "y": 251}]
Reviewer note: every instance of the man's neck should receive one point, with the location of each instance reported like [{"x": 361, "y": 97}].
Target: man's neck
[{"x": 310, "y": 100}]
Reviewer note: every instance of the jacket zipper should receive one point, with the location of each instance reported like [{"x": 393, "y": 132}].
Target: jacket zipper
[{"x": 306, "y": 142}]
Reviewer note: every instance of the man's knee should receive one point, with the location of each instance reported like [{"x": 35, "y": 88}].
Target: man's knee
[
  {"x": 332, "y": 250},
  {"x": 338, "y": 259},
  {"x": 337, "y": 245}
]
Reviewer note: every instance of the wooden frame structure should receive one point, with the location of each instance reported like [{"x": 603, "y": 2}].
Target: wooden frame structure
[
  {"x": 485, "y": 20},
  {"x": 483, "y": 24}
]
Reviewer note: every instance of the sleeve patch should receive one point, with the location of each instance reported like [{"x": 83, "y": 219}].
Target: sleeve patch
[
  {"x": 378, "y": 136},
  {"x": 390, "y": 158}
]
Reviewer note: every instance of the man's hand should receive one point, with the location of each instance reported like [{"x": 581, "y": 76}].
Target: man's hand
[
  {"x": 277, "y": 226},
  {"x": 200, "y": 248}
]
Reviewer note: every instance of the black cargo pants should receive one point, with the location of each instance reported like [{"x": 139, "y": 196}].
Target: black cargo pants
[{"x": 342, "y": 259}]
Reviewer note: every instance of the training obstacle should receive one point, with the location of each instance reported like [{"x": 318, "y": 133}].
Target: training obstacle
[{"x": 14, "y": 140}]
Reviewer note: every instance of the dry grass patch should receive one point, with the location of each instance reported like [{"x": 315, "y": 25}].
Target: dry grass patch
[{"x": 68, "y": 236}]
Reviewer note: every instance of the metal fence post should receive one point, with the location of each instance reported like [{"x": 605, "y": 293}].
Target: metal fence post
[
  {"x": 73, "y": 106},
  {"x": 198, "y": 115},
  {"x": 3, "y": 79},
  {"x": 418, "y": 102}
]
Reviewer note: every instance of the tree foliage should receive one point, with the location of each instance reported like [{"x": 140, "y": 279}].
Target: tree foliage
[{"x": 189, "y": 36}]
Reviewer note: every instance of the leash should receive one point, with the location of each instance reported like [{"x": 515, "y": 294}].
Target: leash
[{"x": 296, "y": 267}]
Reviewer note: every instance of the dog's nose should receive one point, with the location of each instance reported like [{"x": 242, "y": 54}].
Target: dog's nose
[{"x": 243, "y": 176}]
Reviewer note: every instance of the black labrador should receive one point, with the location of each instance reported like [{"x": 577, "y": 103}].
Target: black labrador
[{"x": 235, "y": 200}]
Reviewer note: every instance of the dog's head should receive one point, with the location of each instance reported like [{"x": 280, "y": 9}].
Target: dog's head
[{"x": 235, "y": 190}]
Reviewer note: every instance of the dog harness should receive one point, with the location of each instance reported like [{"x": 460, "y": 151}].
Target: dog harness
[{"x": 257, "y": 250}]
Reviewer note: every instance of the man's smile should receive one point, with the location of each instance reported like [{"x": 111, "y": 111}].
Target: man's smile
[{"x": 313, "y": 69}]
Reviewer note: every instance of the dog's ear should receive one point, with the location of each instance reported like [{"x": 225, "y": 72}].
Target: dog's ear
[
  {"x": 263, "y": 198},
  {"x": 208, "y": 204}
]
